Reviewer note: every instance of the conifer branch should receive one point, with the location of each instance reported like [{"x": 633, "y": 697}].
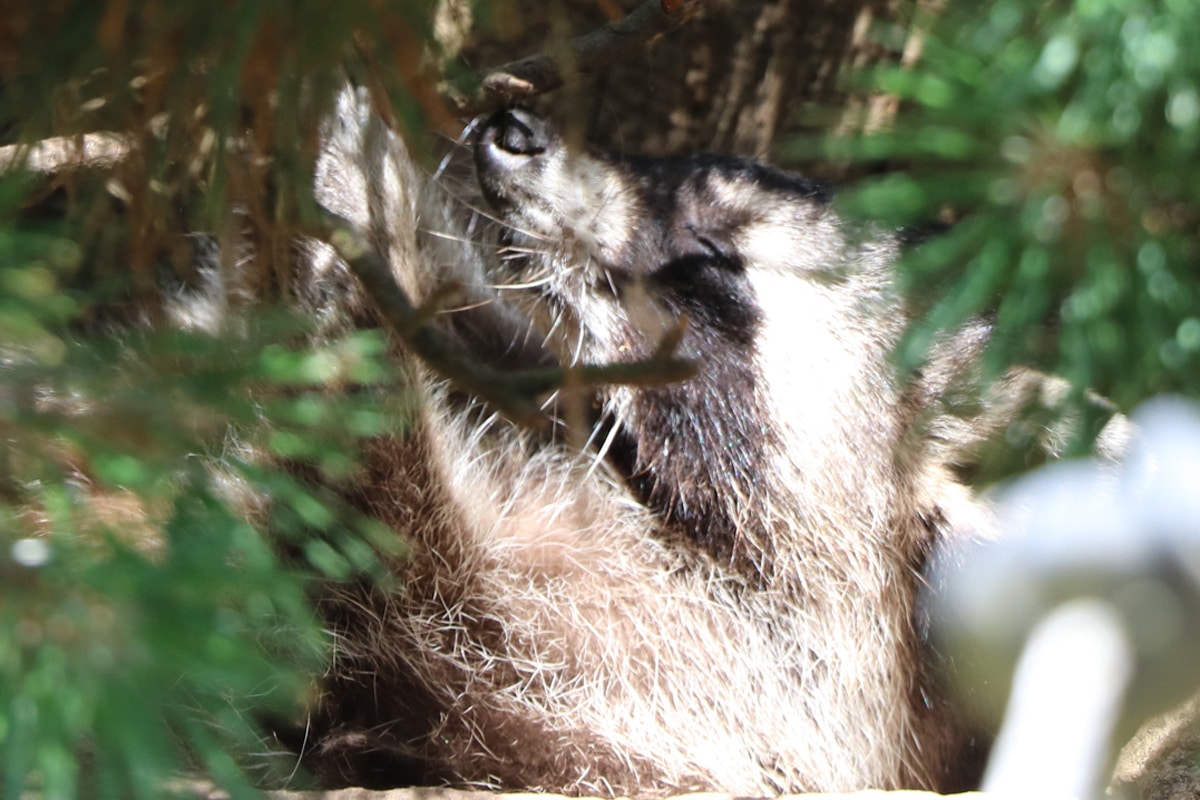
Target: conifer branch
[{"x": 516, "y": 394}]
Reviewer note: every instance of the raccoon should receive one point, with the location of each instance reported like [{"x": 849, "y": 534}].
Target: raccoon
[{"x": 718, "y": 590}]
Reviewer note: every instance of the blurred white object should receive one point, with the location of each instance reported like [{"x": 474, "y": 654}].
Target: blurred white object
[
  {"x": 1068, "y": 690},
  {"x": 1094, "y": 585}
]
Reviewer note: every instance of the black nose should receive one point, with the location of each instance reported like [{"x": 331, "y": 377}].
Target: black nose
[{"x": 516, "y": 131}]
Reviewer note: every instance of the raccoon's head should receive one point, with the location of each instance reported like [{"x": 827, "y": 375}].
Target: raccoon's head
[
  {"x": 790, "y": 318},
  {"x": 624, "y": 247}
]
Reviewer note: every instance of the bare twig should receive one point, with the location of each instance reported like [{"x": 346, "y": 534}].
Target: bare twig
[
  {"x": 515, "y": 394},
  {"x": 62, "y": 154},
  {"x": 589, "y": 53}
]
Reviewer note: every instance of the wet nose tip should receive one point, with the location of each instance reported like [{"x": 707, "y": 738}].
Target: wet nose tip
[{"x": 518, "y": 132}]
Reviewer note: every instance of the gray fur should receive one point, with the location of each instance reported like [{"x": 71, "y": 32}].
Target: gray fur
[{"x": 725, "y": 599}]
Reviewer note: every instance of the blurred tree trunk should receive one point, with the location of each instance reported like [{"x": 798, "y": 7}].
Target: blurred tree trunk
[{"x": 732, "y": 80}]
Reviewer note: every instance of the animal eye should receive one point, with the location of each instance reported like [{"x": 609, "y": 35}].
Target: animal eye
[
  {"x": 720, "y": 257},
  {"x": 697, "y": 246},
  {"x": 711, "y": 247}
]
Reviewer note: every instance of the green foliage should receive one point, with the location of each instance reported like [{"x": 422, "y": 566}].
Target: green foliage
[
  {"x": 144, "y": 621},
  {"x": 147, "y": 620},
  {"x": 1065, "y": 139},
  {"x": 222, "y": 105}
]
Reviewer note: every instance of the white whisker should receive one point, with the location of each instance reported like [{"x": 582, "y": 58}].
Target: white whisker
[
  {"x": 602, "y": 453},
  {"x": 534, "y": 284}
]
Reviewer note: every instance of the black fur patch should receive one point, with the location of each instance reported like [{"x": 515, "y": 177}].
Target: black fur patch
[
  {"x": 697, "y": 449},
  {"x": 681, "y": 215},
  {"x": 713, "y": 293},
  {"x": 690, "y": 449}
]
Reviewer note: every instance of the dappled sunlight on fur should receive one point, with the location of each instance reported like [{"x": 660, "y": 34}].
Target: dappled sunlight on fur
[{"x": 725, "y": 597}]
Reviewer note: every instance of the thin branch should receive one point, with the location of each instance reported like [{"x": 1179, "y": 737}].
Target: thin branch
[
  {"x": 61, "y": 154},
  {"x": 516, "y": 394},
  {"x": 586, "y": 54}
]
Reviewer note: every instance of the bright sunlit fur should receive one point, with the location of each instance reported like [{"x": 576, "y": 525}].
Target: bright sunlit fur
[{"x": 556, "y": 630}]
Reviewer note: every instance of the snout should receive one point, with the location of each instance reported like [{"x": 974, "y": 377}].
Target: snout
[{"x": 508, "y": 152}]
